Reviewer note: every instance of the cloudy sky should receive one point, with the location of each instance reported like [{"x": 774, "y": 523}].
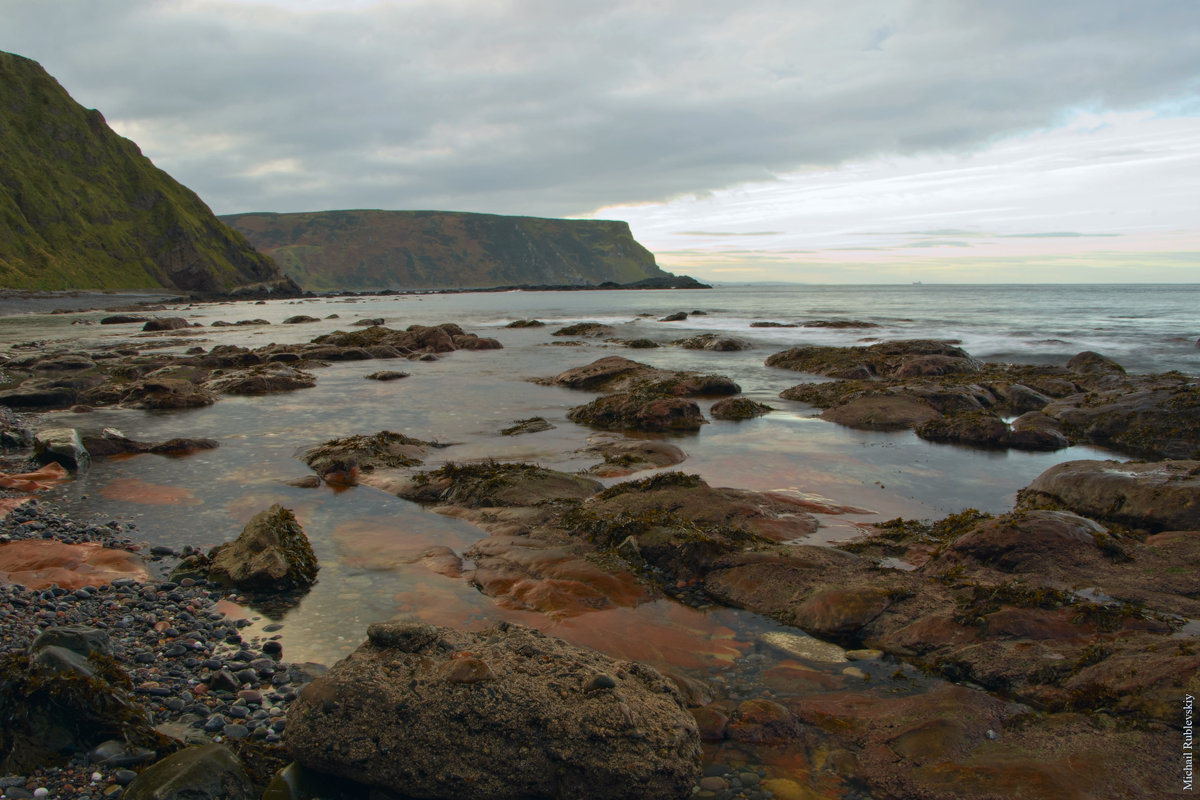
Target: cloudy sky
[{"x": 744, "y": 140}]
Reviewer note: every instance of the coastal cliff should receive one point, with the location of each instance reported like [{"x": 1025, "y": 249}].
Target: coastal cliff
[
  {"x": 368, "y": 250},
  {"x": 82, "y": 208}
]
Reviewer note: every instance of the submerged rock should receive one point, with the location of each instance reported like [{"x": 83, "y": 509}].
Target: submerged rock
[
  {"x": 506, "y": 713},
  {"x": 206, "y": 772}
]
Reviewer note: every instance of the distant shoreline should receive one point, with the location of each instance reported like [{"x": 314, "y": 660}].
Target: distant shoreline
[{"x": 15, "y": 302}]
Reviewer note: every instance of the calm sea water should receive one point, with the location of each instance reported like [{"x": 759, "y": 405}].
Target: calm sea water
[{"x": 368, "y": 541}]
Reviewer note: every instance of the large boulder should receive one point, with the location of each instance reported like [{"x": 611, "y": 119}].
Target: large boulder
[
  {"x": 271, "y": 554},
  {"x": 1155, "y": 496},
  {"x": 502, "y": 714},
  {"x": 62, "y": 446}
]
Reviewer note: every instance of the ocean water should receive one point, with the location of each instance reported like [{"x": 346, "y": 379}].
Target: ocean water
[{"x": 370, "y": 543}]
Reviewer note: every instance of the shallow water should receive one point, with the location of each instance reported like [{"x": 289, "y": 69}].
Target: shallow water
[{"x": 370, "y": 544}]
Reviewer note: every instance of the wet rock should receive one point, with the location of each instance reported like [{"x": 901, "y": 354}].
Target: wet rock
[
  {"x": 388, "y": 716},
  {"x": 714, "y": 342},
  {"x": 1090, "y": 362},
  {"x": 57, "y": 701},
  {"x": 386, "y": 375},
  {"x": 300, "y": 319},
  {"x": 530, "y": 425},
  {"x": 526, "y": 323},
  {"x": 979, "y": 429},
  {"x": 61, "y": 445},
  {"x": 369, "y": 323},
  {"x": 587, "y": 329},
  {"x": 265, "y": 379},
  {"x": 165, "y": 324},
  {"x": 736, "y": 408},
  {"x": 491, "y": 484},
  {"x": 626, "y": 457},
  {"x": 618, "y": 374},
  {"x": 121, "y": 319},
  {"x": 206, "y": 772},
  {"x": 1152, "y": 417},
  {"x": 880, "y": 360},
  {"x": 272, "y": 554},
  {"x": 678, "y": 316},
  {"x": 640, "y": 412},
  {"x": 882, "y": 412},
  {"x": 111, "y": 442},
  {"x": 1155, "y": 496},
  {"x": 166, "y": 393},
  {"x": 346, "y": 458}
]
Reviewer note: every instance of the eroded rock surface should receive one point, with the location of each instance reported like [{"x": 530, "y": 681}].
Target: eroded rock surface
[{"x": 505, "y": 713}]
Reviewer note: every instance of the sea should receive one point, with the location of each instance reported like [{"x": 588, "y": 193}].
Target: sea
[{"x": 370, "y": 543}]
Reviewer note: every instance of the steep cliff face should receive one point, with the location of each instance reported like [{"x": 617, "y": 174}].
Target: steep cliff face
[
  {"x": 365, "y": 250},
  {"x": 82, "y": 208}
]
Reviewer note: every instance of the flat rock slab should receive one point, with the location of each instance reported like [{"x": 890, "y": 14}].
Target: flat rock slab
[
  {"x": 1157, "y": 496},
  {"x": 38, "y": 563}
]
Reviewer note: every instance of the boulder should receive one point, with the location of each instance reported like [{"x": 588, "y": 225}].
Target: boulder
[
  {"x": 121, "y": 319},
  {"x": 626, "y": 457},
  {"x": 640, "y": 412},
  {"x": 526, "y": 323},
  {"x": 879, "y": 412},
  {"x": 735, "y": 408},
  {"x": 590, "y": 329},
  {"x": 61, "y": 445},
  {"x": 678, "y": 316},
  {"x": 300, "y": 319},
  {"x": 490, "y": 484},
  {"x": 502, "y": 714},
  {"x": 271, "y": 554},
  {"x": 529, "y": 425},
  {"x": 165, "y": 393},
  {"x": 65, "y": 695},
  {"x": 165, "y": 324},
  {"x": 351, "y": 455},
  {"x": 1155, "y": 496},
  {"x": 265, "y": 379},
  {"x": 205, "y": 772},
  {"x": 714, "y": 342}
]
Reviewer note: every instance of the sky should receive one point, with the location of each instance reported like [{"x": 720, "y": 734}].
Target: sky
[{"x": 861, "y": 141}]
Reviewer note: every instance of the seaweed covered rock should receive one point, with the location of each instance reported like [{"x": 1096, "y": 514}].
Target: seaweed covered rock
[
  {"x": 640, "y": 411},
  {"x": 502, "y": 714},
  {"x": 619, "y": 374},
  {"x": 346, "y": 458},
  {"x": 491, "y": 483},
  {"x": 64, "y": 695},
  {"x": 264, "y": 379},
  {"x": 884, "y": 360},
  {"x": 272, "y": 554},
  {"x": 735, "y": 408}
]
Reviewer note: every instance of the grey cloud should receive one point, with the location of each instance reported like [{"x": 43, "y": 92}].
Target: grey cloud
[{"x": 545, "y": 107}]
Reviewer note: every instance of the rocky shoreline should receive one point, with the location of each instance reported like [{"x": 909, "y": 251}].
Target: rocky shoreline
[{"x": 1049, "y": 651}]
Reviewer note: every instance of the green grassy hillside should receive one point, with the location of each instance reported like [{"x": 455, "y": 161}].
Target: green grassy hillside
[
  {"x": 82, "y": 208},
  {"x": 365, "y": 250}
]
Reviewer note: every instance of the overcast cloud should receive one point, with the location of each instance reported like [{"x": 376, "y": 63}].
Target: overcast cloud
[{"x": 557, "y": 108}]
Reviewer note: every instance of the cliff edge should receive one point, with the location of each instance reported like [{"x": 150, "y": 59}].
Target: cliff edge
[
  {"x": 82, "y": 208},
  {"x": 372, "y": 250}
]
